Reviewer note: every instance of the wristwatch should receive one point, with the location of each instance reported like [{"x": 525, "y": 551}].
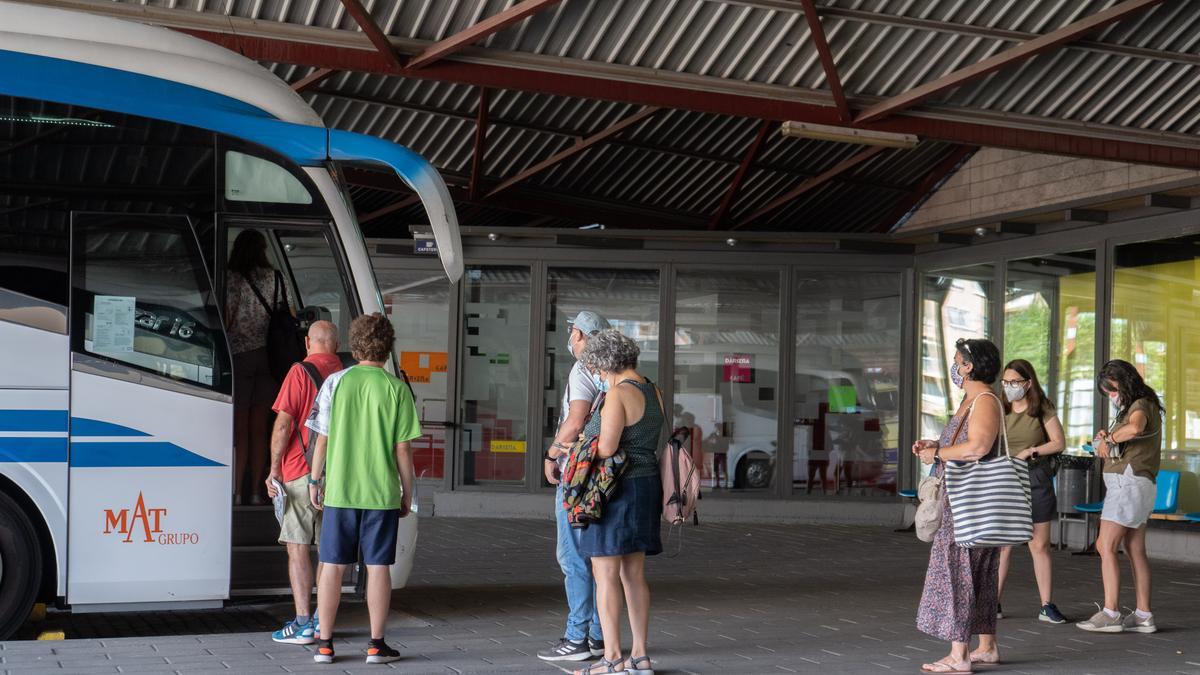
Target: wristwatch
[{"x": 313, "y": 482}]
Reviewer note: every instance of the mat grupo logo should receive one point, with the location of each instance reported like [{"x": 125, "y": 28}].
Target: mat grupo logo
[{"x": 145, "y": 525}]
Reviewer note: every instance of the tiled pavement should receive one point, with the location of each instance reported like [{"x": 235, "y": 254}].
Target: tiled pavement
[{"x": 486, "y": 595}]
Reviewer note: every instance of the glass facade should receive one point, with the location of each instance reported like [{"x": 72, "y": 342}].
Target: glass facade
[
  {"x": 1155, "y": 325},
  {"x": 418, "y": 304},
  {"x": 494, "y": 375},
  {"x": 839, "y": 424},
  {"x": 1050, "y": 321},
  {"x": 727, "y": 373},
  {"x": 954, "y": 304},
  {"x": 846, "y": 416},
  {"x": 629, "y": 299}
]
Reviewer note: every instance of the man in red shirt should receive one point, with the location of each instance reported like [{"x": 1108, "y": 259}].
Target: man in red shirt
[{"x": 301, "y": 525}]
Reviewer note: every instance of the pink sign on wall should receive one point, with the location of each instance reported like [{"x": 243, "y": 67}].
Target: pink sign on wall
[{"x": 739, "y": 367}]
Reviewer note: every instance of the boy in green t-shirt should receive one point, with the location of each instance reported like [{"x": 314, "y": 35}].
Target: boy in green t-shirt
[{"x": 364, "y": 418}]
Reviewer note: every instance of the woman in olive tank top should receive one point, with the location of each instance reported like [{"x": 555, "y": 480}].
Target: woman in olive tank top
[
  {"x": 1036, "y": 435},
  {"x": 630, "y": 419}
]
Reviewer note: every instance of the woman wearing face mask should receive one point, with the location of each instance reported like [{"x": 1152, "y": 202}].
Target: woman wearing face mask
[
  {"x": 1130, "y": 449},
  {"x": 1034, "y": 429},
  {"x": 961, "y": 583}
]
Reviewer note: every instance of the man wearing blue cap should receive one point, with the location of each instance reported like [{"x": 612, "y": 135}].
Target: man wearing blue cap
[{"x": 583, "y": 639}]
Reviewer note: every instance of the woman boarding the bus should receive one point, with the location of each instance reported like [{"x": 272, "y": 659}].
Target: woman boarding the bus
[{"x": 251, "y": 278}]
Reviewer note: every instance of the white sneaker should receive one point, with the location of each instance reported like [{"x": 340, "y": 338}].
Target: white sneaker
[
  {"x": 1135, "y": 625},
  {"x": 1101, "y": 622}
]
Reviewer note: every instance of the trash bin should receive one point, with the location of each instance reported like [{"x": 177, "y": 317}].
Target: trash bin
[{"x": 1073, "y": 478}]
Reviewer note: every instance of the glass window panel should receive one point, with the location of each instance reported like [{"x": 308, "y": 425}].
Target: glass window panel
[
  {"x": 629, "y": 299},
  {"x": 253, "y": 179},
  {"x": 1155, "y": 326},
  {"x": 320, "y": 287},
  {"x": 1050, "y": 321},
  {"x": 495, "y": 374},
  {"x": 418, "y": 304},
  {"x": 144, "y": 299},
  {"x": 846, "y": 422},
  {"x": 954, "y": 304},
  {"x": 727, "y": 373}
]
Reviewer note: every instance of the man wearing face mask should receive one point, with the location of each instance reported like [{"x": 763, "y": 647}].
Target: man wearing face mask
[{"x": 583, "y": 639}]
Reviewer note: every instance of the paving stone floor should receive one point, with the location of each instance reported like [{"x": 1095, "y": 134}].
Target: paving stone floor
[{"x": 486, "y": 595}]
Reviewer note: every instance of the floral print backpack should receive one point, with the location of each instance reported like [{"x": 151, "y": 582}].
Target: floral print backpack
[{"x": 589, "y": 480}]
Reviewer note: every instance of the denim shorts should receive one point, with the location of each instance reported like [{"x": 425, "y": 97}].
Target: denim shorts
[
  {"x": 629, "y": 523},
  {"x": 345, "y": 531}
]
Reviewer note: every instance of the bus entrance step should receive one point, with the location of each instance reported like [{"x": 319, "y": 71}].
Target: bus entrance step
[
  {"x": 254, "y": 526},
  {"x": 261, "y": 567}
]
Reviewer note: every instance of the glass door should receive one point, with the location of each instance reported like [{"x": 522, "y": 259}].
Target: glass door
[
  {"x": 308, "y": 259},
  {"x": 151, "y": 416},
  {"x": 494, "y": 375}
]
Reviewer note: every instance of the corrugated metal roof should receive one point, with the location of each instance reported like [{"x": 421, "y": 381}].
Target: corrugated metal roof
[{"x": 1142, "y": 73}]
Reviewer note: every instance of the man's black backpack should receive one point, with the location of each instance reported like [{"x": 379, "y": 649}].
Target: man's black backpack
[
  {"x": 309, "y": 444},
  {"x": 284, "y": 345}
]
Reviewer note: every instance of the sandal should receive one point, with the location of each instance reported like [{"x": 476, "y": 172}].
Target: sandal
[
  {"x": 985, "y": 658},
  {"x": 945, "y": 667},
  {"x": 603, "y": 666},
  {"x": 635, "y": 666}
]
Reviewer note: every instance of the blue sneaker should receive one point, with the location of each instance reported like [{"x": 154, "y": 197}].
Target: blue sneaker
[
  {"x": 294, "y": 633},
  {"x": 1050, "y": 614}
]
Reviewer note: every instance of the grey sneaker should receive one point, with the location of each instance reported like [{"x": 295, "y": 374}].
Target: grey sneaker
[
  {"x": 1101, "y": 622},
  {"x": 1135, "y": 625}
]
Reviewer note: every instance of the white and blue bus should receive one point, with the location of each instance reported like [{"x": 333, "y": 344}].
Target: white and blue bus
[{"x": 130, "y": 159}]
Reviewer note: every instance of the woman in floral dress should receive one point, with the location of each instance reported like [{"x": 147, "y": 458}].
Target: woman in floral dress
[{"x": 960, "y": 594}]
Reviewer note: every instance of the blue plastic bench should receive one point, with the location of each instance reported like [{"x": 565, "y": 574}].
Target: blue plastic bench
[{"x": 1166, "y": 499}]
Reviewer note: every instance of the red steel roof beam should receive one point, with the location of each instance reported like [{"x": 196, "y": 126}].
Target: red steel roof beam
[
  {"x": 312, "y": 79},
  {"x": 481, "y": 129},
  {"x": 578, "y": 147},
  {"x": 811, "y": 184},
  {"x": 831, "y": 74},
  {"x": 925, "y": 189},
  {"x": 478, "y": 32},
  {"x": 382, "y": 44},
  {"x": 668, "y": 95},
  {"x": 740, "y": 177},
  {"x": 1008, "y": 57},
  {"x": 389, "y": 209}
]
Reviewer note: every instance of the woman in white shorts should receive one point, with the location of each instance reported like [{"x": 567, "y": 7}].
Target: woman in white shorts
[{"x": 1130, "y": 449}]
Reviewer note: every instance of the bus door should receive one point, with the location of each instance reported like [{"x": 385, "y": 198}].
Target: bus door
[
  {"x": 316, "y": 277},
  {"x": 151, "y": 417}
]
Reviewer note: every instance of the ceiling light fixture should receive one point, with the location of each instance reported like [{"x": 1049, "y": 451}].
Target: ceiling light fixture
[{"x": 825, "y": 132}]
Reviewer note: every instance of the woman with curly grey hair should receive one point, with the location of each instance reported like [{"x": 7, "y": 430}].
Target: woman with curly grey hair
[{"x": 630, "y": 419}]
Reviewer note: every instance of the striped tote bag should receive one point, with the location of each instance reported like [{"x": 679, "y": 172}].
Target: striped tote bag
[{"x": 989, "y": 499}]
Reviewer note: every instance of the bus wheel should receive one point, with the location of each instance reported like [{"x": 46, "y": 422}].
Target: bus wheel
[{"x": 20, "y": 566}]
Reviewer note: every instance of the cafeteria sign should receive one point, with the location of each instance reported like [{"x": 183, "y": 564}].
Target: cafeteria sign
[
  {"x": 739, "y": 368},
  {"x": 425, "y": 244}
]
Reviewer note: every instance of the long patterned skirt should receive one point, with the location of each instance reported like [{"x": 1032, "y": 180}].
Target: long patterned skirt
[{"x": 961, "y": 587}]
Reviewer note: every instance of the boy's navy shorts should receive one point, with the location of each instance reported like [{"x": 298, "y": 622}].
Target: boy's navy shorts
[{"x": 345, "y": 531}]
